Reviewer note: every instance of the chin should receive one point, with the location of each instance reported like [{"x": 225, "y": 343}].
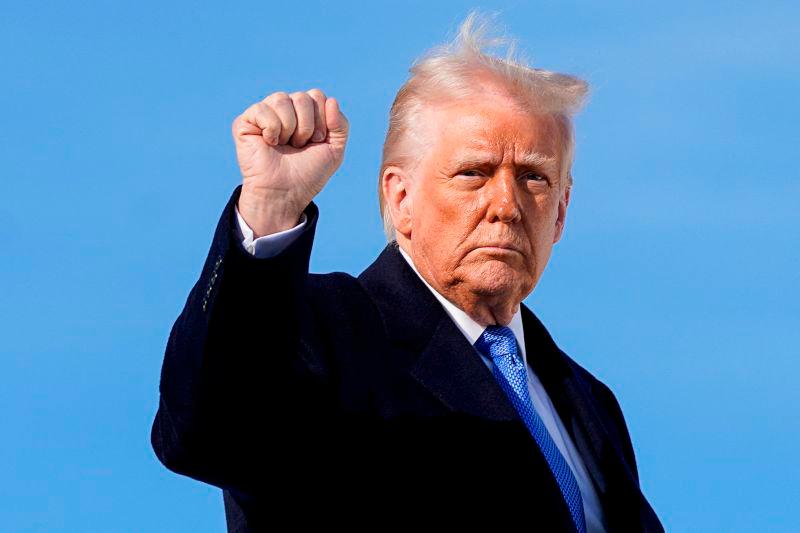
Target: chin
[{"x": 496, "y": 278}]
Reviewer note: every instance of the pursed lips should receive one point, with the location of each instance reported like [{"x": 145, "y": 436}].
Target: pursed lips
[{"x": 499, "y": 246}]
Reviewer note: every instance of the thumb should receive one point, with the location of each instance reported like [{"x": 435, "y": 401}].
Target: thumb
[{"x": 335, "y": 120}]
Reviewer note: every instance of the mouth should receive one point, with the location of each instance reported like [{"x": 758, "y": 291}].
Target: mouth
[{"x": 499, "y": 249}]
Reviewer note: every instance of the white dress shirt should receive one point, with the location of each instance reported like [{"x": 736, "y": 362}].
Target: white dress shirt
[{"x": 270, "y": 245}]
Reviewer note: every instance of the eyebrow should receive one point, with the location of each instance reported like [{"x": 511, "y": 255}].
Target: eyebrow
[
  {"x": 531, "y": 159},
  {"x": 536, "y": 159}
]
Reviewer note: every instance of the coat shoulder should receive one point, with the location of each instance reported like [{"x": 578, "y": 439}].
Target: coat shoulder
[
  {"x": 337, "y": 292},
  {"x": 341, "y": 310}
]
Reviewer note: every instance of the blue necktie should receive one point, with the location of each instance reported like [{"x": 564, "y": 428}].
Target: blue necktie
[{"x": 499, "y": 344}]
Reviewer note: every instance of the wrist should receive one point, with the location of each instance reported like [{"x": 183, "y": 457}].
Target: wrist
[{"x": 267, "y": 216}]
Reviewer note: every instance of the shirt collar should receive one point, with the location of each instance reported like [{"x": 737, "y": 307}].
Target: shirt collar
[{"x": 468, "y": 326}]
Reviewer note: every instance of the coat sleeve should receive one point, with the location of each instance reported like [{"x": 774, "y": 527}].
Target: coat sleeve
[{"x": 243, "y": 381}]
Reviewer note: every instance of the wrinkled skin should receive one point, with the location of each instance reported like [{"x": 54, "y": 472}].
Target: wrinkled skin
[{"x": 477, "y": 219}]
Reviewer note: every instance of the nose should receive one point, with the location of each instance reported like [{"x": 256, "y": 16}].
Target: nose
[{"x": 502, "y": 196}]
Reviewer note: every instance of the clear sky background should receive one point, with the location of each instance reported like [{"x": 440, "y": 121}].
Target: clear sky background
[{"x": 676, "y": 282}]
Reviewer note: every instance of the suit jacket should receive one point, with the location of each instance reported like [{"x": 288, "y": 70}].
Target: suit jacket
[{"x": 328, "y": 397}]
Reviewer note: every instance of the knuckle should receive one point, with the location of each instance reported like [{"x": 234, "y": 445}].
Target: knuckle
[
  {"x": 250, "y": 110},
  {"x": 270, "y": 127},
  {"x": 264, "y": 109},
  {"x": 262, "y": 114},
  {"x": 301, "y": 98},
  {"x": 278, "y": 97},
  {"x": 237, "y": 123}
]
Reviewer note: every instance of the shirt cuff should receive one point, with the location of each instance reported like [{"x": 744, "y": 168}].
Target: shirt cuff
[{"x": 267, "y": 245}]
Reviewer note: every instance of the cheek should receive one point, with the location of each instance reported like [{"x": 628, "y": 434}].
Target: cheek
[
  {"x": 446, "y": 218},
  {"x": 540, "y": 227},
  {"x": 447, "y": 202}
]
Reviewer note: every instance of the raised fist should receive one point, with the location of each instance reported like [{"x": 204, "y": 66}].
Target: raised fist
[{"x": 288, "y": 146}]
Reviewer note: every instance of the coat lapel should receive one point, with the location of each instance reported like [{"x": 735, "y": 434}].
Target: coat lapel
[{"x": 451, "y": 369}]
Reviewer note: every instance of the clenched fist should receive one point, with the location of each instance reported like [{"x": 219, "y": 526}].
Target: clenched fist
[{"x": 288, "y": 146}]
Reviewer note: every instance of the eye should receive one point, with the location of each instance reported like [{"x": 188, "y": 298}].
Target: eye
[
  {"x": 470, "y": 172},
  {"x": 471, "y": 175},
  {"x": 533, "y": 176}
]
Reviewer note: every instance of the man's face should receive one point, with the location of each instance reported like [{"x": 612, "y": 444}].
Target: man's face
[{"x": 488, "y": 201}]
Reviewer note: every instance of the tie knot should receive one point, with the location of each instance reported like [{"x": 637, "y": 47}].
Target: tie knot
[{"x": 497, "y": 341}]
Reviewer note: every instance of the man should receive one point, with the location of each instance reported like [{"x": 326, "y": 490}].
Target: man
[{"x": 423, "y": 388}]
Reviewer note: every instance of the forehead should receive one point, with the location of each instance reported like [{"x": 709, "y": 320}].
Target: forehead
[{"x": 495, "y": 125}]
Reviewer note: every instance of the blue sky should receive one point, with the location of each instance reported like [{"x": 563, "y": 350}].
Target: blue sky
[{"x": 676, "y": 282}]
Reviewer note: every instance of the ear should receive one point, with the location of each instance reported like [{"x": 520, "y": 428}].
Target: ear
[
  {"x": 396, "y": 186},
  {"x": 563, "y": 203}
]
